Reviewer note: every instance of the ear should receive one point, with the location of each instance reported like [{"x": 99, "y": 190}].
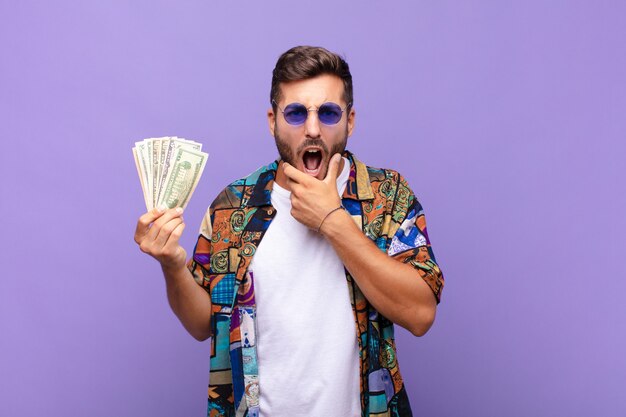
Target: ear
[
  {"x": 351, "y": 119},
  {"x": 271, "y": 120}
]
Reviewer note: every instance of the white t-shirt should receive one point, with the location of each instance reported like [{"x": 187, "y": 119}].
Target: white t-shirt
[{"x": 308, "y": 356}]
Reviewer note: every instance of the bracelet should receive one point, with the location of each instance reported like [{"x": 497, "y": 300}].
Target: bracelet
[{"x": 328, "y": 214}]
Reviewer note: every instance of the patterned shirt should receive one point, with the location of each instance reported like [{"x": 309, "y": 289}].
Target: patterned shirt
[{"x": 386, "y": 210}]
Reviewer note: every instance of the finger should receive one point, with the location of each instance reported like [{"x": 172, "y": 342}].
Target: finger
[
  {"x": 144, "y": 222},
  {"x": 294, "y": 188},
  {"x": 294, "y": 174},
  {"x": 172, "y": 252},
  {"x": 166, "y": 217},
  {"x": 174, "y": 237},
  {"x": 333, "y": 169},
  {"x": 166, "y": 230}
]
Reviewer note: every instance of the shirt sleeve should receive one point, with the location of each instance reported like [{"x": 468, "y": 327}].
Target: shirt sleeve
[
  {"x": 201, "y": 259},
  {"x": 410, "y": 243}
]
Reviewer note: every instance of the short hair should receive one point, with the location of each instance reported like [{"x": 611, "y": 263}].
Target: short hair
[{"x": 304, "y": 62}]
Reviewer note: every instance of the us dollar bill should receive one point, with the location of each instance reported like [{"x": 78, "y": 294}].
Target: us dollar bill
[
  {"x": 169, "y": 169},
  {"x": 141, "y": 152},
  {"x": 156, "y": 149},
  {"x": 183, "y": 178}
]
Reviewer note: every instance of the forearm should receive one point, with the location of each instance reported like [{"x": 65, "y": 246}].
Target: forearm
[
  {"x": 393, "y": 288},
  {"x": 190, "y": 302}
]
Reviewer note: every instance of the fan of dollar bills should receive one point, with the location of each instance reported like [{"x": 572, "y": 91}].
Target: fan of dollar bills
[{"x": 169, "y": 170}]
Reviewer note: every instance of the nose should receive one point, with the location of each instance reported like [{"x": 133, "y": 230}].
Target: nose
[{"x": 312, "y": 124}]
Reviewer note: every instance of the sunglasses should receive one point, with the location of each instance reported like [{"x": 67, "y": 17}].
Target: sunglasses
[{"x": 328, "y": 113}]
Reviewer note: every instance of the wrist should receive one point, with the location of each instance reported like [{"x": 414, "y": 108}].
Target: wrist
[
  {"x": 173, "y": 268},
  {"x": 335, "y": 223},
  {"x": 327, "y": 215}
]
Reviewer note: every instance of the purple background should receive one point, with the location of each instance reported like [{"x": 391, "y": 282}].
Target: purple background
[{"x": 508, "y": 119}]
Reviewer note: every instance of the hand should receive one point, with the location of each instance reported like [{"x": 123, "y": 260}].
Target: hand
[
  {"x": 312, "y": 199},
  {"x": 157, "y": 234}
]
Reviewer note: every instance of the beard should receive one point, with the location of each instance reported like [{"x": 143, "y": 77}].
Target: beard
[{"x": 287, "y": 154}]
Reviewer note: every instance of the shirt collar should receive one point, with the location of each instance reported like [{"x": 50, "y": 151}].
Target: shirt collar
[{"x": 260, "y": 185}]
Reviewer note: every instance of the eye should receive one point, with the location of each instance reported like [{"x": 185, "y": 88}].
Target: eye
[
  {"x": 328, "y": 112},
  {"x": 297, "y": 112}
]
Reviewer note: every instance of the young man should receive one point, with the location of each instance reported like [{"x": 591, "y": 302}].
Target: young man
[{"x": 304, "y": 265}]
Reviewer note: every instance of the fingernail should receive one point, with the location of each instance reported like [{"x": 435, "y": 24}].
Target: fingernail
[
  {"x": 161, "y": 208},
  {"x": 179, "y": 210}
]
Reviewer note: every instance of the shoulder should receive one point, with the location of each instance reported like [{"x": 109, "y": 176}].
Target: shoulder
[
  {"x": 376, "y": 175},
  {"x": 388, "y": 183},
  {"x": 392, "y": 191},
  {"x": 237, "y": 194},
  {"x": 384, "y": 174}
]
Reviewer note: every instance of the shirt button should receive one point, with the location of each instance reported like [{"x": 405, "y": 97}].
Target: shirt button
[{"x": 270, "y": 211}]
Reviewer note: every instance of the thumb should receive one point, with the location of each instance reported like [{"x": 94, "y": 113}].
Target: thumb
[{"x": 333, "y": 169}]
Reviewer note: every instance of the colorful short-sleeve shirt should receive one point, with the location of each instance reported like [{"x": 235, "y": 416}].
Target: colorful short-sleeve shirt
[{"x": 386, "y": 210}]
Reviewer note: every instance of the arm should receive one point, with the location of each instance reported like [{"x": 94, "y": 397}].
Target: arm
[
  {"x": 394, "y": 288},
  {"x": 158, "y": 234}
]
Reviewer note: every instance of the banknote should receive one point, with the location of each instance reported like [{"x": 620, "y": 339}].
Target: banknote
[
  {"x": 183, "y": 178},
  {"x": 141, "y": 151},
  {"x": 169, "y": 169}
]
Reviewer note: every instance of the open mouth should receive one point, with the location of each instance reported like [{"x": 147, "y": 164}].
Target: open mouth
[{"x": 312, "y": 160}]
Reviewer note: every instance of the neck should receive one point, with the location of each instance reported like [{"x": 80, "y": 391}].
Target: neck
[{"x": 281, "y": 179}]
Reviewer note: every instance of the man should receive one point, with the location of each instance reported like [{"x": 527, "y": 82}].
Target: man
[{"x": 304, "y": 265}]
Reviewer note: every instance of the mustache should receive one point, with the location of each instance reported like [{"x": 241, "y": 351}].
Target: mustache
[{"x": 313, "y": 142}]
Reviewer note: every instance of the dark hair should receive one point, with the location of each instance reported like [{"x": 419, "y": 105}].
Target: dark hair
[{"x": 304, "y": 62}]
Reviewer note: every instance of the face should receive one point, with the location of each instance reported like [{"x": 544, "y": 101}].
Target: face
[{"x": 309, "y": 146}]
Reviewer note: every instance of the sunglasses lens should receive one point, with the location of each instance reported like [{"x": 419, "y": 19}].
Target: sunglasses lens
[
  {"x": 295, "y": 114},
  {"x": 329, "y": 113}
]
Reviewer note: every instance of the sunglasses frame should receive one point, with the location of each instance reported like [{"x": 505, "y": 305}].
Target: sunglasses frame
[{"x": 312, "y": 108}]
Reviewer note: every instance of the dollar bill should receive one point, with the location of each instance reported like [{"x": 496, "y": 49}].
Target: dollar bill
[
  {"x": 169, "y": 145},
  {"x": 156, "y": 147},
  {"x": 183, "y": 178},
  {"x": 141, "y": 180},
  {"x": 169, "y": 169},
  {"x": 143, "y": 167}
]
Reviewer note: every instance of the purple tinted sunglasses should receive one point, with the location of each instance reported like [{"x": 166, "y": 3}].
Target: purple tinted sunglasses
[{"x": 327, "y": 113}]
